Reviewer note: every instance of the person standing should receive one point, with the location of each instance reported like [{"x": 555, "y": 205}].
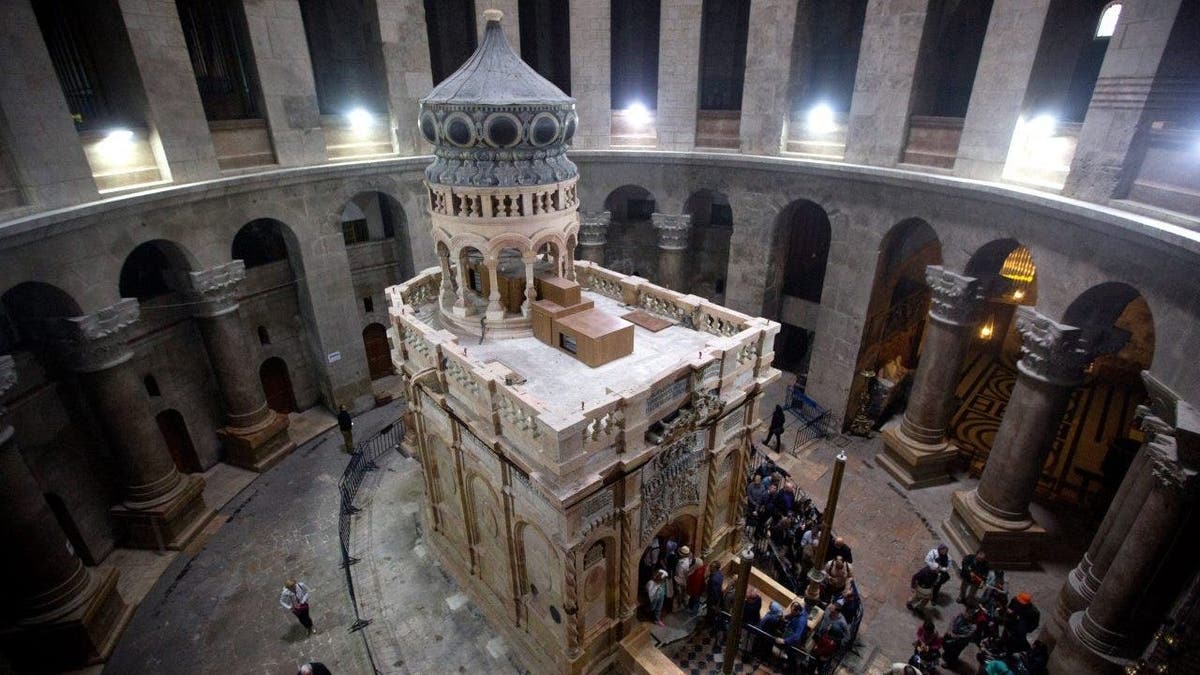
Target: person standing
[
  {"x": 974, "y": 572},
  {"x": 656, "y": 591},
  {"x": 682, "y": 568},
  {"x": 922, "y": 584},
  {"x": 346, "y": 424},
  {"x": 776, "y": 429},
  {"x": 939, "y": 560},
  {"x": 295, "y": 598},
  {"x": 695, "y": 584}
]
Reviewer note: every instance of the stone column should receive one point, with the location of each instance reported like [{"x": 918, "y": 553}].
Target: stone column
[
  {"x": 66, "y": 616},
  {"x": 405, "y": 46},
  {"x": 495, "y": 311},
  {"x": 593, "y": 235},
  {"x": 447, "y": 290},
  {"x": 765, "y": 104},
  {"x": 530, "y": 289},
  {"x": 35, "y": 123},
  {"x": 256, "y": 437},
  {"x": 464, "y": 284},
  {"x": 916, "y": 452},
  {"x": 884, "y": 81},
  {"x": 591, "y": 71},
  {"x": 1082, "y": 581},
  {"x": 1098, "y": 639},
  {"x": 285, "y": 75},
  {"x": 674, "y": 237},
  {"x": 160, "y": 507},
  {"x": 1005, "y": 66},
  {"x": 995, "y": 515},
  {"x": 678, "y": 74},
  {"x": 173, "y": 107},
  {"x": 1124, "y": 102}
]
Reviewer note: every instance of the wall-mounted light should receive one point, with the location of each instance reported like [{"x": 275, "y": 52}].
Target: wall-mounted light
[
  {"x": 638, "y": 114},
  {"x": 1042, "y": 126},
  {"x": 117, "y": 144},
  {"x": 820, "y": 119},
  {"x": 360, "y": 120},
  {"x": 986, "y": 330}
]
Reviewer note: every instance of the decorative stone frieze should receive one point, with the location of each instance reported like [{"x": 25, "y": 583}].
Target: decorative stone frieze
[
  {"x": 669, "y": 481},
  {"x": 1052, "y": 352},
  {"x": 593, "y": 228},
  {"x": 215, "y": 289},
  {"x": 674, "y": 230},
  {"x": 95, "y": 341},
  {"x": 957, "y": 299}
]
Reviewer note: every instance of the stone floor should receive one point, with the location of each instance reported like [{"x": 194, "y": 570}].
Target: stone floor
[{"x": 215, "y": 610}]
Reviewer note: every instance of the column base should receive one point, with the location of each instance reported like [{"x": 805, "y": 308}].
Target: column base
[
  {"x": 915, "y": 465},
  {"x": 85, "y": 637},
  {"x": 1073, "y": 656},
  {"x": 1075, "y": 596},
  {"x": 257, "y": 449},
  {"x": 170, "y": 525},
  {"x": 1008, "y": 544}
]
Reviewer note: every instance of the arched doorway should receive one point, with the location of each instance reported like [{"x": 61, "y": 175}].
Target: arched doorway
[
  {"x": 682, "y": 531},
  {"x": 179, "y": 442},
  {"x": 712, "y": 228},
  {"x": 277, "y": 385},
  {"x": 795, "y": 281},
  {"x": 379, "y": 357},
  {"x": 632, "y": 246}
]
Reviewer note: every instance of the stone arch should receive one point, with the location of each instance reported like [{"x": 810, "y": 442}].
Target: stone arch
[
  {"x": 510, "y": 241},
  {"x": 539, "y": 570},
  {"x": 263, "y": 241},
  {"x": 376, "y": 216},
  {"x": 491, "y": 538},
  {"x": 708, "y": 244},
  {"x": 379, "y": 353},
  {"x": 618, "y": 202},
  {"x": 23, "y": 306},
  {"x": 154, "y": 268},
  {"x": 599, "y": 591},
  {"x": 799, "y": 255},
  {"x": 1116, "y": 318},
  {"x": 896, "y": 312}
]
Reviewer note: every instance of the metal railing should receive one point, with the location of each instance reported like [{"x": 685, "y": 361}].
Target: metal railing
[
  {"x": 362, "y": 461},
  {"x": 814, "y": 420}
]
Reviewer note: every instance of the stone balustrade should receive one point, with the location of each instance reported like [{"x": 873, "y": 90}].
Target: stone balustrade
[
  {"x": 739, "y": 351},
  {"x": 494, "y": 203}
]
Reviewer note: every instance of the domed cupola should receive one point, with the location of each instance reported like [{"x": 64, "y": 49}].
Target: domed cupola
[
  {"x": 495, "y": 122},
  {"x": 503, "y": 205}
]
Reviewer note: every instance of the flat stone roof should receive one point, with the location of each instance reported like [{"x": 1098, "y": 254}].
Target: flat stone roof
[{"x": 560, "y": 381}]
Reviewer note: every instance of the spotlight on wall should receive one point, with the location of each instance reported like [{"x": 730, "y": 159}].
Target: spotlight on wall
[
  {"x": 1042, "y": 126},
  {"x": 821, "y": 120},
  {"x": 117, "y": 144},
  {"x": 638, "y": 115},
  {"x": 986, "y": 330},
  {"x": 360, "y": 120}
]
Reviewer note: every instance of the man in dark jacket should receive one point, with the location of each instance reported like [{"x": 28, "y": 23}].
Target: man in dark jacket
[
  {"x": 922, "y": 584},
  {"x": 776, "y": 428},
  {"x": 974, "y": 572},
  {"x": 346, "y": 424}
]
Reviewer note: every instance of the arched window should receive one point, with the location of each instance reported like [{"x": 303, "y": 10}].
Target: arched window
[
  {"x": 264, "y": 338},
  {"x": 1108, "y": 20},
  {"x": 151, "y": 386}
]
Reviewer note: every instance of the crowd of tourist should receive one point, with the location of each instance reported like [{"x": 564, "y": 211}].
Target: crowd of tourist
[{"x": 998, "y": 624}]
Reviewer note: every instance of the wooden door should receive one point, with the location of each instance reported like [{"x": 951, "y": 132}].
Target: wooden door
[{"x": 379, "y": 357}]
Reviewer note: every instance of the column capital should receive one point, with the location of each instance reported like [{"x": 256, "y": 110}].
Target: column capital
[
  {"x": 213, "y": 289},
  {"x": 1052, "y": 352},
  {"x": 956, "y": 298},
  {"x": 674, "y": 230},
  {"x": 95, "y": 341},
  {"x": 593, "y": 228}
]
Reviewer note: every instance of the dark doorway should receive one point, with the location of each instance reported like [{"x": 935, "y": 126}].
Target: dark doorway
[
  {"x": 59, "y": 508},
  {"x": 277, "y": 385},
  {"x": 174, "y": 431},
  {"x": 379, "y": 357}
]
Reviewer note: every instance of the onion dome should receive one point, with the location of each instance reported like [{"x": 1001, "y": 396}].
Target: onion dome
[{"x": 496, "y": 123}]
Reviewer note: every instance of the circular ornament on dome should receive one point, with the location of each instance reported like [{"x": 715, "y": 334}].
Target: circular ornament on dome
[
  {"x": 428, "y": 126},
  {"x": 459, "y": 129},
  {"x": 569, "y": 131},
  {"x": 543, "y": 129},
  {"x": 502, "y": 130}
]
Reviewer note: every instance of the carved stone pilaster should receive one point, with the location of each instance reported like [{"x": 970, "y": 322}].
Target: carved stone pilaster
[
  {"x": 957, "y": 299},
  {"x": 674, "y": 230},
  {"x": 593, "y": 228},
  {"x": 96, "y": 341},
  {"x": 214, "y": 289},
  {"x": 1052, "y": 352}
]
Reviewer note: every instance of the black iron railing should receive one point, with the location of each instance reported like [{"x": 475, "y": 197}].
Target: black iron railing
[
  {"x": 362, "y": 461},
  {"x": 814, "y": 420}
]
